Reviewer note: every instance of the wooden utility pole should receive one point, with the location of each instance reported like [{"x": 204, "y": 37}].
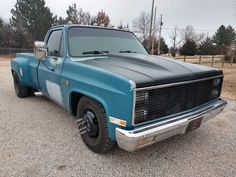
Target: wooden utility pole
[
  {"x": 154, "y": 30},
  {"x": 150, "y": 34},
  {"x": 159, "y": 40}
]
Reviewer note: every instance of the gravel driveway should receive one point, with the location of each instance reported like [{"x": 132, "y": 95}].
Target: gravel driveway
[{"x": 38, "y": 138}]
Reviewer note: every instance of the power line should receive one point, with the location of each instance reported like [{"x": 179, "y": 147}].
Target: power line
[{"x": 200, "y": 30}]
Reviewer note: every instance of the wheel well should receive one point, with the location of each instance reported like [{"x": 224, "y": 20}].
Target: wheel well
[
  {"x": 75, "y": 97},
  {"x": 14, "y": 73}
]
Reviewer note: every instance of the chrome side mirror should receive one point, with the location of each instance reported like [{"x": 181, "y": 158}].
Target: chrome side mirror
[{"x": 40, "y": 50}]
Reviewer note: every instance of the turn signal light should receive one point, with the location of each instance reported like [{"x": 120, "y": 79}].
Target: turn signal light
[{"x": 118, "y": 121}]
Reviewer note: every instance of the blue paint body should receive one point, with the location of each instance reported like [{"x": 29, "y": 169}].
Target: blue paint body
[{"x": 113, "y": 91}]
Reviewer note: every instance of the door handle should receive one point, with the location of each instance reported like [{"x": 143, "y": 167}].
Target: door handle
[{"x": 54, "y": 58}]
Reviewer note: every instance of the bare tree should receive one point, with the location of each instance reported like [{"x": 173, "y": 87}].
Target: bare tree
[
  {"x": 141, "y": 25},
  {"x": 189, "y": 34},
  {"x": 174, "y": 38}
]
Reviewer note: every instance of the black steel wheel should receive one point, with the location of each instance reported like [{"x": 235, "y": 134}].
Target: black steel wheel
[{"x": 92, "y": 122}]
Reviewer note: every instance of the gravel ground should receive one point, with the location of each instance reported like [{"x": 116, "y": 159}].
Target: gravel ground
[{"x": 38, "y": 138}]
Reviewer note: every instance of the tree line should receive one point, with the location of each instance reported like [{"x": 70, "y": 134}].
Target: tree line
[
  {"x": 218, "y": 44},
  {"x": 186, "y": 41},
  {"x": 31, "y": 19}
]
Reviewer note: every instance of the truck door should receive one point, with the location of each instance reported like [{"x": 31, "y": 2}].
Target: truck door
[{"x": 49, "y": 70}]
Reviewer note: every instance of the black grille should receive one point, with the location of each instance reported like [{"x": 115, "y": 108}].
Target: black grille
[{"x": 161, "y": 102}]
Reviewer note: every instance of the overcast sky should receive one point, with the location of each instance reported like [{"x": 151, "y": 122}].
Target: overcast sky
[{"x": 204, "y": 15}]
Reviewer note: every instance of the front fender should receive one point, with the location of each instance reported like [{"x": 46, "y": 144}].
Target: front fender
[{"x": 114, "y": 92}]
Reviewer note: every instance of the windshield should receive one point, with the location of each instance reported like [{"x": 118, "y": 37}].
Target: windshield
[{"x": 92, "y": 41}]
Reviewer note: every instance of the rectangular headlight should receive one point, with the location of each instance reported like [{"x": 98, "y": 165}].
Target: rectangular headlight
[
  {"x": 216, "y": 87},
  {"x": 216, "y": 82}
]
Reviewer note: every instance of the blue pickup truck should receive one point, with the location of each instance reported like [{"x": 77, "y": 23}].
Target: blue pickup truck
[{"x": 117, "y": 92}]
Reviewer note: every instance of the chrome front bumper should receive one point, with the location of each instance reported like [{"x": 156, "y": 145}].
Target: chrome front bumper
[{"x": 131, "y": 140}]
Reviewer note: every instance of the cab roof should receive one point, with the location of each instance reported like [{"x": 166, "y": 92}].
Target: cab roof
[{"x": 67, "y": 26}]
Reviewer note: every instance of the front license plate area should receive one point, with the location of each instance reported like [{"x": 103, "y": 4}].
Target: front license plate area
[{"x": 194, "y": 124}]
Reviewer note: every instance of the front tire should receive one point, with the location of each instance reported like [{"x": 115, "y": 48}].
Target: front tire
[{"x": 92, "y": 122}]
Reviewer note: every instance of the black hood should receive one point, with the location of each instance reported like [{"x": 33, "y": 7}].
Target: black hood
[{"x": 148, "y": 70}]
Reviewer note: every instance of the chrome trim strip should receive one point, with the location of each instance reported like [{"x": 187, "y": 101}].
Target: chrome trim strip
[
  {"x": 132, "y": 85},
  {"x": 134, "y": 105},
  {"x": 129, "y": 140},
  {"x": 163, "y": 86},
  {"x": 176, "y": 83},
  {"x": 86, "y": 58}
]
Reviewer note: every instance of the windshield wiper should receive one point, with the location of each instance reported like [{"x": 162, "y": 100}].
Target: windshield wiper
[
  {"x": 95, "y": 52},
  {"x": 126, "y": 51}
]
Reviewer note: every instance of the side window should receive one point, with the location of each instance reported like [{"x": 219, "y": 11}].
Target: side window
[{"x": 54, "y": 43}]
